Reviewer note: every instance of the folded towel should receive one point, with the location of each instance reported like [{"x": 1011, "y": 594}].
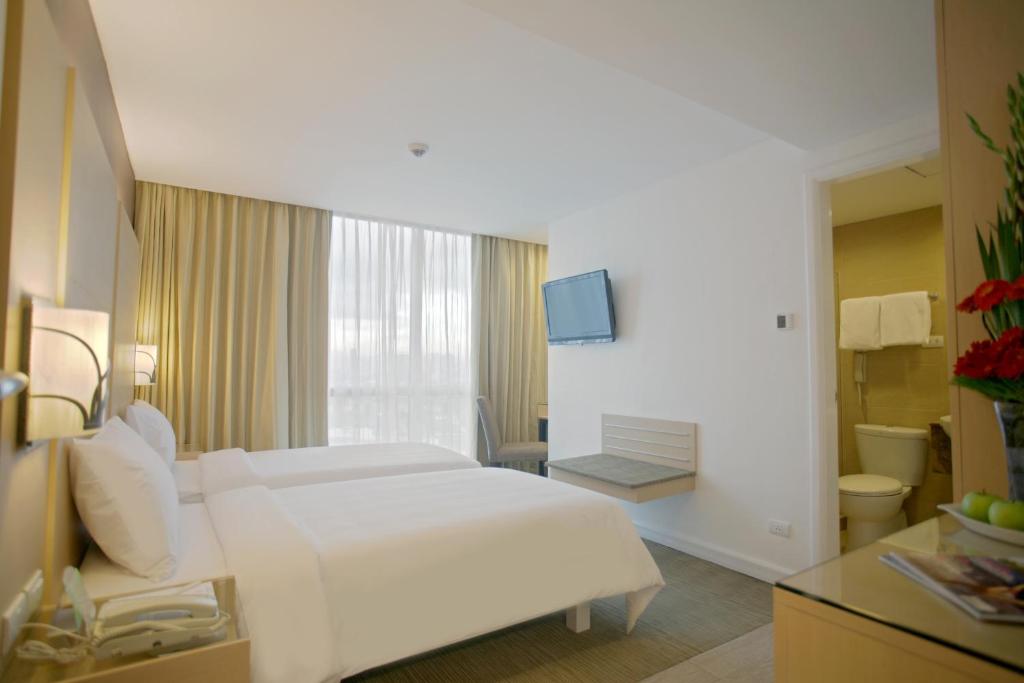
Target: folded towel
[
  {"x": 859, "y": 328},
  {"x": 905, "y": 319}
]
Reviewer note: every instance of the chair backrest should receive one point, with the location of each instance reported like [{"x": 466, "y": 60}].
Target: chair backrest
[{"x": 492, "y": 436}]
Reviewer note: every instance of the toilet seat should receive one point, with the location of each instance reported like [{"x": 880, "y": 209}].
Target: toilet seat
[{"x": 870, "y": 485}]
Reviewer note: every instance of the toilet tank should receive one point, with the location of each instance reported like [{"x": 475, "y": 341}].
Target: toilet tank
[{"x": 897, "y": 452}]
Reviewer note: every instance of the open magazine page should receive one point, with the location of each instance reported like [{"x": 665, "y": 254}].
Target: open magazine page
[{"x": 988, "y": 588}]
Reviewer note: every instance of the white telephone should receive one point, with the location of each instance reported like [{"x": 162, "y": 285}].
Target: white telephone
[
  {"x": 158, "y": 622},
  {"x": 153, "y": 623}
]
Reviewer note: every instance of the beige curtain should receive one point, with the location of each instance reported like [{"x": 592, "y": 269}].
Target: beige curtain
[
  {"x": 510, "y": 333},
  {"x": 234, "y": 295}
]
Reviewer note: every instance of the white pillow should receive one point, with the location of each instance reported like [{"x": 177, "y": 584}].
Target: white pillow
[
  {"x": 156, "y": 429},
  {"x": 127, "y": 498}
]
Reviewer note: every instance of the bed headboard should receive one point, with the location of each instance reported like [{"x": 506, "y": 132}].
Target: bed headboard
[
  {"x": 102, "y": 274},
  {"x": 69, "y": 242}
]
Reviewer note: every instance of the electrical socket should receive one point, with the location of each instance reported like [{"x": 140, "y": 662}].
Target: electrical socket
[
  {"x": 21, "y": 609},
  {"x": 33, "y": 591},
  {"x": 778, "y": 528},
  {"x": 15, "y": 615}
]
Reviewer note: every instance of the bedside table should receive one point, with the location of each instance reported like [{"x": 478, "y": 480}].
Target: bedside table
[
  {"x": 188, "y": 455},
  {"x": 226, "y": 661}
]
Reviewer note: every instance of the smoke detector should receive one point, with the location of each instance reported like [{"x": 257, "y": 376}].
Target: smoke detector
[{"x": 418, "y": 149}]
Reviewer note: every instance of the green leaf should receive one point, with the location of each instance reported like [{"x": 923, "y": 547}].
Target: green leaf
[{"x": 984, "y": 138}]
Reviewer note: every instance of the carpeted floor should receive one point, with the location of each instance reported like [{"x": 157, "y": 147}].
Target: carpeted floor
[{"x": 702, "y": 606}]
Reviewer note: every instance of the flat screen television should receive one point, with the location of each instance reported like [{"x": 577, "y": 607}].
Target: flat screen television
[{"x": 579, "y": 309}]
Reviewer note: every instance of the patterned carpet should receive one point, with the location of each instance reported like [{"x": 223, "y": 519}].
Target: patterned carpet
[{"x": 702, "y": 606}]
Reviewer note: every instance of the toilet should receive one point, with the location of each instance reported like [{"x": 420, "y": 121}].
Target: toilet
[{"x": 892, "y": 460}]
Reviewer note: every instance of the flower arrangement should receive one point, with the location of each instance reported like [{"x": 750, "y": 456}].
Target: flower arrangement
[{"x": 995, "y": 367}]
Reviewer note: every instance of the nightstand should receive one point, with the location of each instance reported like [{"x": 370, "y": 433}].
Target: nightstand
[
  {"x": 188, "y": 455},
  {"x": 226, "y": 661}
]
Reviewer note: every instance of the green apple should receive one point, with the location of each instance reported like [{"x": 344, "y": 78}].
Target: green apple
[
  {"x": 1008, "y": 514},
  {"x": 976, "y": 505}
]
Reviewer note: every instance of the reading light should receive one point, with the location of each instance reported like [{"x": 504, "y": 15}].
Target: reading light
[
  {"x": 145, "y": 365},
  {"x": 12, "y": 383},
  {"x": 68, "y": 363}
]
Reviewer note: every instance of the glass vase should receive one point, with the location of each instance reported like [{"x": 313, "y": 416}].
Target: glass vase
[{"x": 1011, "y": 424}]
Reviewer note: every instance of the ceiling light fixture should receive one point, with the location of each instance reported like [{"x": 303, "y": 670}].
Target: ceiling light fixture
[{"x": 418, "y": 149}]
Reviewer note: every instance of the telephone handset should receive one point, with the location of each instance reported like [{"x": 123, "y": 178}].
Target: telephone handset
[
  {"x": 152, "y": 623},
  {"x": 158, "y": 622}
]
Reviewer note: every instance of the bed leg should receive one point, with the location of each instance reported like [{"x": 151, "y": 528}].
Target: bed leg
[{"x": 577, "y": 618}]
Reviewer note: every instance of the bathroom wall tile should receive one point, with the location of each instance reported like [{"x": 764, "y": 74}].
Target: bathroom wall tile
[{"x": 906, "y": 386}]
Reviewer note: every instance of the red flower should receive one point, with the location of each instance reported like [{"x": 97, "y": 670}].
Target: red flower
[
  {"x": 1011, "y": 354},
  {"x": 1016, "y": 292},
  {"x": 1002, "y": 358},
  {"x": 979, "y": 362},
  {"x": 987, "y": 296}
]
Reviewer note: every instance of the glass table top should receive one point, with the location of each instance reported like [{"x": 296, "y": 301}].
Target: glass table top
[{"x": 859, "y": 582}]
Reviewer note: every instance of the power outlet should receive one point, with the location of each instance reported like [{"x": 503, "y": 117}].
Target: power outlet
[
  {"x": 777, "y": 527},
  {"x": 21, "y": 609},
  {"x": 14, "y": 617},
  {"x": 33, "y": 591}
]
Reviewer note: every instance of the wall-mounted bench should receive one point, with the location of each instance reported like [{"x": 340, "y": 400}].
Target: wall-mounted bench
[{"x": 642, "y": 459}]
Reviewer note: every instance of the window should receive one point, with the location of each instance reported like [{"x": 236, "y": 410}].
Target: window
[{"x": 400, "y": 335}]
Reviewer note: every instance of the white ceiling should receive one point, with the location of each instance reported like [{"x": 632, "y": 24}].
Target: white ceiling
[
  {"x": 811, "y": 72},
  {"x": 533, "y": 109},
  {"x": 897, "y": 190}
]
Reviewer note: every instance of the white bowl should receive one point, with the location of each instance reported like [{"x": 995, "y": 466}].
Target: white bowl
[{"x": 1011, "y": 536}]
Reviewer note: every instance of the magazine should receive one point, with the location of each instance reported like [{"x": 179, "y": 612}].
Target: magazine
[{"x": 987, "y": 588}]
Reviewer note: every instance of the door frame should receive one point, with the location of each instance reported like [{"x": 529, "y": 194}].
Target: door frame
[{"x": 897, "y": 145}]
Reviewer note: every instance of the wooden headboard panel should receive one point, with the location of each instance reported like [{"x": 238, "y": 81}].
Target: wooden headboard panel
[
  {"x": 125, "y": 315},
  {"x": 66, "y": 537},
  {"x": 70, "y": 243}
]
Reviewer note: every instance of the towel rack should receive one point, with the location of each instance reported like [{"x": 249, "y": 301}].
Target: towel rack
[{"x": 933, "y": 296}]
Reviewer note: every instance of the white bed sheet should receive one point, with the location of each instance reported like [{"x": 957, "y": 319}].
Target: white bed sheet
[
  {"x": 200, "y": 557},
  {"x": 234, "y": 468},
  {"x": 341, "y": 577}
]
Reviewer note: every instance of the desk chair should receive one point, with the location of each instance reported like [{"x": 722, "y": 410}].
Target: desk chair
[{"x": 500, "y": 453}]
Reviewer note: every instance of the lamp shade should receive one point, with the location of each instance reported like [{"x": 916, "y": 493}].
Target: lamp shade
[
  {"x": 145, "y": 365},
  {"x": 68, "y": 366}
]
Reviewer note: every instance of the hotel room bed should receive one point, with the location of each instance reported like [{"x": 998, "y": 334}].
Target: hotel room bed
[
  {"x": 232, "y": 468},
  {"x": 340, "y": 577}
]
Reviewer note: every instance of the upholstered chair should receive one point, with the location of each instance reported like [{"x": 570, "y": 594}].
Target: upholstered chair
[{"x": 500, "y": 453}]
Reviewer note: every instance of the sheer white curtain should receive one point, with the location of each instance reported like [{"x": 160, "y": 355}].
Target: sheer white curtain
[{"x": 399, "y": 364}]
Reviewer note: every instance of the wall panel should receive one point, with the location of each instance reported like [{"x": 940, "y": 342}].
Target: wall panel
[{"x": 980, "y": 49}]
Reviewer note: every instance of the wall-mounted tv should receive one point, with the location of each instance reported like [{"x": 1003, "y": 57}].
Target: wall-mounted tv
[{"x": 579, "y": 309}]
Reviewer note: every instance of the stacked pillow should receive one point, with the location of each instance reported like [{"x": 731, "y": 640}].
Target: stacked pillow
[
  {"x": 126, "y": 496},
  {"x": 156, "y": 429}
]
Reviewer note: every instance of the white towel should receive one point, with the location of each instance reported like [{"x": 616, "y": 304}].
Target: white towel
[
  {"x": 859, "y": 328},
  {"x": 906, "y": 319}
]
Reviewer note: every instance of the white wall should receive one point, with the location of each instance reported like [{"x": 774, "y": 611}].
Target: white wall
[{"x": 700, "y": 265}]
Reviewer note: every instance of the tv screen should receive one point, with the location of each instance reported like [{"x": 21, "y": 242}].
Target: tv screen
[{"x": 579, "y": 309}]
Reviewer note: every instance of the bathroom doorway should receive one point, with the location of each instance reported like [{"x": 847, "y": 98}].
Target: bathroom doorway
[{"x": 892, "y": 394}]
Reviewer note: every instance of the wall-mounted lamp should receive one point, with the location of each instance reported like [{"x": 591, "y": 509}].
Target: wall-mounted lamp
[
  {"x": 12, "y": 383},
  {"x": 145, "y": 365},
  {"x": 68, "y": 363}
]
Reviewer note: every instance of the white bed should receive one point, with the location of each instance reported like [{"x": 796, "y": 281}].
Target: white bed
[
  {"x": 232, "y": 468},
  {"x": 337, "y": 578},
  {"x": 199, "y": 558}
]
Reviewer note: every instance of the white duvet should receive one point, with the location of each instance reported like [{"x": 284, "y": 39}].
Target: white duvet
[
  {"x": 341, "y": 577},
  {"x": 234, "y": 468}
]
